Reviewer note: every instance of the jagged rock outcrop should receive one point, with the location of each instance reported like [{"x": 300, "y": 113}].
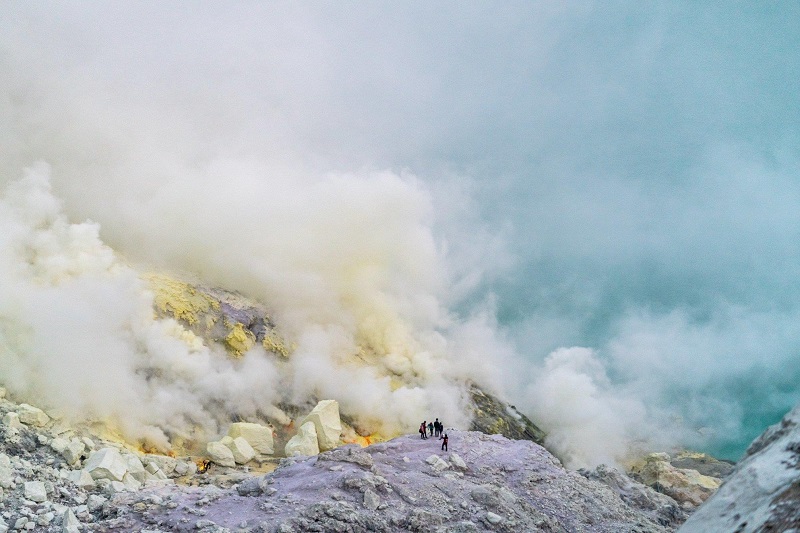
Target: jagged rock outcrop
[
  {"x": 762, "y": 493},
  {"x": 217, "y": 315},
  {"x": 493, "y": 416},
  {"x": 687, "y": 486}
]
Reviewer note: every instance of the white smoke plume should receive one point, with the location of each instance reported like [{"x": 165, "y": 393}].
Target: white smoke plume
[{"x": 449, "y": 192}]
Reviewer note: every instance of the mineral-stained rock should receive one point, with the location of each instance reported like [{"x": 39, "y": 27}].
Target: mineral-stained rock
[
  {"x": 256, "y": 435},
  {"x": 493, "y": 416},
  {"x": 242, "y": 451},
  {"x": 32, "y": 416},
  {"x": 304, "y": 443},
  {"x": 685, "y": 486},
  {"x": 702, "y": 463},
  {"x": 106, "y": 463},
  {"x": 325, "y": 417},
  {"x": 220, "y": 454}
]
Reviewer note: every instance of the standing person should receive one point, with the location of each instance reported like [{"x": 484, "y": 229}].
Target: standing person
[
  {"x": 444, "y": 442},
  {"x": 430, "y": 428},
  {"x": 436, "y": 428},
  {"x": 441, "y": 430},
  {"x": 423, "y": 430}
]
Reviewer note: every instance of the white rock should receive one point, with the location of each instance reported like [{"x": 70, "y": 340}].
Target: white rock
[
  {"x": 242, "y": 451},
  {"x": 95, "y": 502},
  {"x": 184, "y": 468},
  {"x": 6, "y": 472},
  {"x": 325, "y": 417},
  {"x": 165, "y": 463},
  {"x": 59, "y": 445},
  {"x": 35, "y": 491},
  {"x": 89, "y": 443},
  {"x": 304, "y": 443},
  {"x": 12, "y": 420},
  {"x": 457, "y": 461},
  {"x": 131, "y": 483},
  {"x": 437, "y": 463},
  {"x": 256, "y": 435},
  {"x": 73, "y": 452},
  {"x": 70, "y": 524},
  {"x": 106, "y": 463},
  {"x": 81, "y": 478},
  {"x": 116, "y": 486},
  {"x": 220, "y": 454},
  {"x": 135, "y": 467},
  {"x": 45, "y": 518},
  {"x": 32, "y": 416}
]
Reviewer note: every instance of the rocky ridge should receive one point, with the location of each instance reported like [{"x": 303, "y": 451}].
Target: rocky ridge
[{"x": 762, "y": 493}]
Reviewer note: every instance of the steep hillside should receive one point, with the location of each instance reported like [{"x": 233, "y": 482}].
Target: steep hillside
[{"x": 762, "y": 494}]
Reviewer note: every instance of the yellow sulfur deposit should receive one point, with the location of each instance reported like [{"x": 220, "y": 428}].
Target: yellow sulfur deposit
[
  {"x": 180, "y": 300},
  {"x": 273, "y": 343},
  {"x": 239, "y": 340}
]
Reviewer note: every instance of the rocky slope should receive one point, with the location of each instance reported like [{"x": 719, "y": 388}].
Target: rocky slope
[
  {"x": 238, "y": 323},
  {"x": 56, "y": 478},
  {"x": 762, "y": 494}
]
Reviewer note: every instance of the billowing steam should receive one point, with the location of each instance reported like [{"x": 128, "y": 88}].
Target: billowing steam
[{"x": 444, "y": 193}]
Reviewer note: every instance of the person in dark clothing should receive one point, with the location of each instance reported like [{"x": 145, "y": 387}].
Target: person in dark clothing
[
  {"x": 444, "y": 442},
  {"x": 441, "y": 430},
  {"x": 430, "y": 428},
  {"x": 437, "y": 428}
]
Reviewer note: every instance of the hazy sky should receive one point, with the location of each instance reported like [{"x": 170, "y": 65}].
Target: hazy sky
[{"x": 621, "y": 176}]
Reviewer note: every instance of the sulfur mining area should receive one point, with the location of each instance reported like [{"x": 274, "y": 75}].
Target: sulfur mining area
[{"x": 310, "y": 464}]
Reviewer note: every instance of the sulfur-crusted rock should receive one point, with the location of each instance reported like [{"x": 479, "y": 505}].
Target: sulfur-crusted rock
[
  {"x": 683, "y": 485},
  {"x": 328, "y": 425},
  {"x": 106, "y": 463},
  {"x": 242, "y": 451},
  {"x": 304, "y": 443},
  {"x": 256, "y": 435},
  {"x": 32, "y": 416},
  {"x": 220, "y": 454}
]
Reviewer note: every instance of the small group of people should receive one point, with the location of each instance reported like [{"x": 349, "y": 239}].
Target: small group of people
[{"x": 435, "y": 429}]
